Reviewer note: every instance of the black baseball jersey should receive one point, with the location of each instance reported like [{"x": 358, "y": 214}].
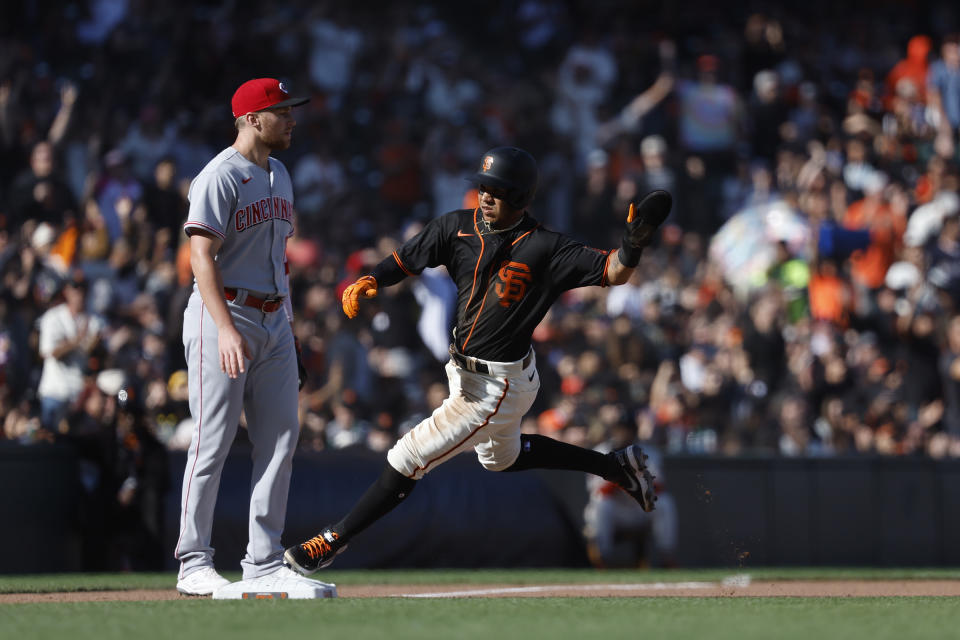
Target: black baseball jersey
[{"x": 506, "y": 281}]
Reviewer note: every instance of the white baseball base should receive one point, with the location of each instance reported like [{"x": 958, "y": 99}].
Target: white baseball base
[{"x": 272, "y": 589}]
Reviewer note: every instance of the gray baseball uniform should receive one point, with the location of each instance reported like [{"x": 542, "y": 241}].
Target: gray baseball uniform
[{"x": 251, "y": 210}]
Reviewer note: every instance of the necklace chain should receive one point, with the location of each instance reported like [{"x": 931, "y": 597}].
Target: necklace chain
[{"x": 490, "y": 230}]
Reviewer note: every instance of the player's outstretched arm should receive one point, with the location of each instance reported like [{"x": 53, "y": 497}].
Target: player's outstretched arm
[{"x": 366, "y": 287}]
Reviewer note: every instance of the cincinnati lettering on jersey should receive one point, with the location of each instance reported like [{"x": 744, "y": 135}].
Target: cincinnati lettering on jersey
[
  {"x": 514, "y": 277},
  {"x": 258, "y": 212}
]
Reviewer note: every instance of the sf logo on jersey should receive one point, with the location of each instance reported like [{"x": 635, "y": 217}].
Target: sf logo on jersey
[{"x": 514, "y": 277}]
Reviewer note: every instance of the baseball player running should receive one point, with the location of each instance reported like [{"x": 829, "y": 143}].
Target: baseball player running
[
  {"x": 508, "y": 270},
  {"x": 238, "y": 338}
]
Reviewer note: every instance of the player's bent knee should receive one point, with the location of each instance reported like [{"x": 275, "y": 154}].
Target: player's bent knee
[{"x": 405, "y": 460}]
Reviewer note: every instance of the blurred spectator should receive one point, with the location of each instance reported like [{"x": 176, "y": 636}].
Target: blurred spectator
[
  {"x": 141, "y": 476},
  {"x": 593, "y": 216},
  {"x": 39, "y": 193},
  {"x": 165, "y": 206},
  {"x": 15, "y": 356},
  {"x": 630, "y": 118},
  {"x": 943, "y": 88},
  {"x": 886, "y": 226},
  {"x": 659, "y": 174},
  {"x": 117, "y": 194},
  {"x": 831, "y": 296},
  {"x": 334, "y": 47},
  {"x": 318, "y": 179},
  {"x": 912, "y": 69},
  {"x": 67, "y": 335},
  {"x": 710, "y": 121},
  {"x": 149, "y": 139},
  {"x": 584, "y": 78},
  {"x": 949, "y": 366},
  {"x": 621, "y": 535},
  {"x": 766, "y": 113},
  {"x": 763, "y": 44},
  {"x": 710, "y": 114}
]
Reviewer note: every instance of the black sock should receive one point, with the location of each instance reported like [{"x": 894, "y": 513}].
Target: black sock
[
  {"x": 390, "y": 489},
  {"x": 541, "y": 452}
]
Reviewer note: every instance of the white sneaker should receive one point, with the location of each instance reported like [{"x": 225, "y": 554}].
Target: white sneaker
[
  {"x": 280, "y": 584},
  {"x": 202, "y": 582}
]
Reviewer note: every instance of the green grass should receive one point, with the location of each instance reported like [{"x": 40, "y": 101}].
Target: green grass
[{"x": 487, "y": 619}]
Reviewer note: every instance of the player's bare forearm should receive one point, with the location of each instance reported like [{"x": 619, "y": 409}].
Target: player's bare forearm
[
  {"x": 231, "y": 344},
  {"x": 617, "y": 272},
  {"x": 209, "y": 281}
]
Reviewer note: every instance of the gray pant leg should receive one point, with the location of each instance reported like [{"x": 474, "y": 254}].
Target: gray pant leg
[
  {"x": 665, "y": 530},
  {"x": 273, "y": 424},
  {"x": 215, "y": 404}
]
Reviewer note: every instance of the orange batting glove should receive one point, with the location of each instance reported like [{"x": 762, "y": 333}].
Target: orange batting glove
[{"x": 365, "y": 286}]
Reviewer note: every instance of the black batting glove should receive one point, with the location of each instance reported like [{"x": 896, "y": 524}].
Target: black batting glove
[{"x": 642, "y": 222}]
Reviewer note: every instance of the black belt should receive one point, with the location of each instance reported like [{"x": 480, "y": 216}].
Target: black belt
[{"x": 477, "y": 366}]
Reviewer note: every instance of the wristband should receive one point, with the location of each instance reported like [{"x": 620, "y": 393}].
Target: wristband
[{"x": 629, "y": 255}]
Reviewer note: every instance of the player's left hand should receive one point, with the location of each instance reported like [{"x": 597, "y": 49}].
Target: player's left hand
[
  {"x": 644, "y": 218},
  {"x": 301, "y": 370}
]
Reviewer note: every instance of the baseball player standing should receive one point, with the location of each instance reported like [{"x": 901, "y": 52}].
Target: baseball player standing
[
  {"x": 239, "y": 342},
  {"x": 508, "y": 270}
]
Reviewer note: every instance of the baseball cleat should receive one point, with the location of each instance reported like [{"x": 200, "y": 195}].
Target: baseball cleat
[
  {"x": 202, "y": 582},
  {"x": 316, "y": 553},
  {"x": 638, "y": 481}
]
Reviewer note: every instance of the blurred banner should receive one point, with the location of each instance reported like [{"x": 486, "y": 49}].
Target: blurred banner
[{"x": 746, "y": 245}]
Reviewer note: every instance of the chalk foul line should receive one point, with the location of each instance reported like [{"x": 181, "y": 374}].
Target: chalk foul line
[{"x": 732, "y": 581}]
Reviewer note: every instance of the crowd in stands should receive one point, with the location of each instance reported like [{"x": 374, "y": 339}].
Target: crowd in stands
[{"x": 801, "y": 299}]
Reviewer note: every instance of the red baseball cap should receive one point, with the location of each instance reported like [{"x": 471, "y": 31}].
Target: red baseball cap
[{"x": 262, "y": 93}]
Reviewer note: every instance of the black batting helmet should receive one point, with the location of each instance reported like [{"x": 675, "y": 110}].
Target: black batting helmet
[{"x": 512, "y": 169}]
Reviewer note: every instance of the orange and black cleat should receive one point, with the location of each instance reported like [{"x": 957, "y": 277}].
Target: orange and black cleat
[{"x": 316, "y": 553}]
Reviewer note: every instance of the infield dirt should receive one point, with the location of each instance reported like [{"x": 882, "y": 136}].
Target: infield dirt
[{"x": 785, "y": 588}]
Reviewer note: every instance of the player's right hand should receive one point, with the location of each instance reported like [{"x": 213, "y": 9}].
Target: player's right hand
[
  {"x": 365, "y": 286},
  {"x": 233, "y": 349}
]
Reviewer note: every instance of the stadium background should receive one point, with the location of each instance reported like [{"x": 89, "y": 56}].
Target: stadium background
[{"x": 753, "y": 335}]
